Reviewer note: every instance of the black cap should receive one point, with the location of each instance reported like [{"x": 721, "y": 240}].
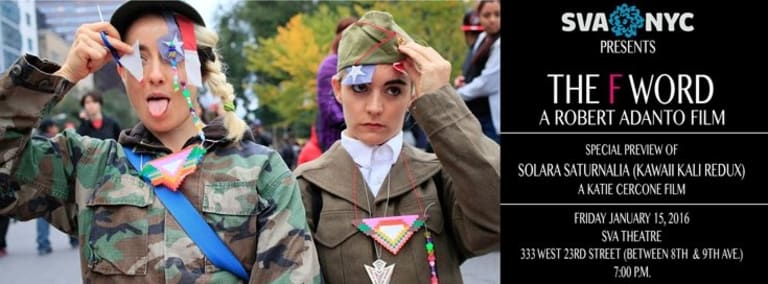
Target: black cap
[{"x": 127, "y": 13}]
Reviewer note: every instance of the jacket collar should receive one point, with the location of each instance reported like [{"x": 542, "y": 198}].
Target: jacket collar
[
  {"x": 141, "y": 140},
  {"x": 333, "y": 172}
]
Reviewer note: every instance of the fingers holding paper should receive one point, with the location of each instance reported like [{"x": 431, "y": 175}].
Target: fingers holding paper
[{"x": 89, "y": 52}]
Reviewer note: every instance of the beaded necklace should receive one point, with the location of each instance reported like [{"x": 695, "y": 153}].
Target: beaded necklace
[{"x": 392, "y": 232}]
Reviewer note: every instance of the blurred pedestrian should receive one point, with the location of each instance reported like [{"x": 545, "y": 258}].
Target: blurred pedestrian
[
  {"x": 259, "y": 134},
  {"x": 4, "y": 223},
  {"x": 311, "y": 150},
  {"x": 472, "y": 29},
  {"x": 93, "y": 122},
  {"x": 288, "y": 151},
  {"x": 480, "y": 87}
]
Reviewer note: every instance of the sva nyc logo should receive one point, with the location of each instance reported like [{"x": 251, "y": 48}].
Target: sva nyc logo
[{"x": 624, "y": 23}]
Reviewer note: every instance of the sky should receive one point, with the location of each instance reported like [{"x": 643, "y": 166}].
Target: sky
[{"x": 208, "y": 8}]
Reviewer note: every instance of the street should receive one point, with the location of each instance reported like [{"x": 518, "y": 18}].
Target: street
[{"x": 22, "y": 265}]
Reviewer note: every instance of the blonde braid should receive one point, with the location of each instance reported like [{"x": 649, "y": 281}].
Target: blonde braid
[{"x": 217, "y": 83}]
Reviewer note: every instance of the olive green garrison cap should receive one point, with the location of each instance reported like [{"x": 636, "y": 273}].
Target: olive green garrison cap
[{"x": 371, "y": 40}]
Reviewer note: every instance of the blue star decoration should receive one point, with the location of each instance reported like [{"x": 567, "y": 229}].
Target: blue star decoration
[
  {"x": 174, "y": 45},
  {"x": 354, "y": 72}
]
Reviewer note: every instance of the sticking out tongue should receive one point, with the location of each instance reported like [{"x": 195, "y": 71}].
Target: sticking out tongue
[{"x": 157, "y": 106}]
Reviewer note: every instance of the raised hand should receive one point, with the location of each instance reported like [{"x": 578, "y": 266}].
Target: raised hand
[
  {"x": 88, "y": 52},
  {"x": 428, "y": 69}
]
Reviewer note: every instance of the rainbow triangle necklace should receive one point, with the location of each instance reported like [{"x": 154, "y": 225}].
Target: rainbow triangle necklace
[
  {"x": 390, "y": 232},
  {"x": 171, "y": 170}
]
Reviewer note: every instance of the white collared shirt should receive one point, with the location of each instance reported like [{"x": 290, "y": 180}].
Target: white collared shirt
[{"x": 374, "y": 162}]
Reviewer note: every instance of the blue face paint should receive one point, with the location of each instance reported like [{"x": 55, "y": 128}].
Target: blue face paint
[{"x": 358, "y": 74}]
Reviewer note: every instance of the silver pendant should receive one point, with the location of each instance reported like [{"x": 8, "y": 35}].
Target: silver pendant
[{"x": 380, "y": 273}]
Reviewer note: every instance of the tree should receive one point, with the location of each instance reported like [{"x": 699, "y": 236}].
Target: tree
[
  {"x": 285, "y": 59},
  {"x": 291, "y": 57},
  {"x": 243, "y": 24},
  {"x": 238, "y": 29}
]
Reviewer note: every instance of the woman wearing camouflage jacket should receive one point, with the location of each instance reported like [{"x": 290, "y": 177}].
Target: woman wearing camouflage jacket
[
  {"x": 381, "y": 210},
  {"x": 87, "y": 187}
]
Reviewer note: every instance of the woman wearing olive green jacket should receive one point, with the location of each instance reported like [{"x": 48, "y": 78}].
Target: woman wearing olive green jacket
[{"x": 383, "y": 211}]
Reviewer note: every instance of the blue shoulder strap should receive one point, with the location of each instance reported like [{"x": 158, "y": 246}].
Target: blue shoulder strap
[{"x": 197, "y": 229}]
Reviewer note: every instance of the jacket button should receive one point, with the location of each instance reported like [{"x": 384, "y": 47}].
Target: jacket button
[
  {"x": 15, "y": 70},
  {"x": 45, "y": 84}
]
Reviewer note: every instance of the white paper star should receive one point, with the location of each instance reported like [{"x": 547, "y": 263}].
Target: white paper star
[
  {"x": 355, "y": 71},
  {"x": 174, "y": 43},
  {"x": 132, "y": 62}
]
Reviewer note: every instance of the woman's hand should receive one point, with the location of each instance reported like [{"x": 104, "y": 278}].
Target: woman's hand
[
  {"x": 428, "y": 69},
  {"x": 459, "y": 81},
  {"x": 88, "y": 52}
]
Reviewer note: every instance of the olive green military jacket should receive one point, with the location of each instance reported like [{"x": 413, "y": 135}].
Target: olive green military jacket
[
  {"x": 86, "y": 187},
  {"x": 458, "y": 188}
]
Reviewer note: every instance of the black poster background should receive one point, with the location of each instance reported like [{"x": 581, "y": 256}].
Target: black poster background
[{"x": 724, "y": 212}]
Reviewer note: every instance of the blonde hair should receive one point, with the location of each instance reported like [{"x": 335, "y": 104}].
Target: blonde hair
[{"x": 217, "y": 83}]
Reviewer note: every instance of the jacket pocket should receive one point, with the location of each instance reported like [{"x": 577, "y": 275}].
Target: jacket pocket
[
  {"x": 233, "y": 198},
  {"x": 334, "y": 227},
  {"x": 233, "y": 209},
  {"x": 340, "y": 245},
  {"x": 119, "y": 228}
]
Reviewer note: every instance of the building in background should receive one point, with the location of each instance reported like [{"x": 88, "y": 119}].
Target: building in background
[
  {"x": 55, "y": 48},
  {"x": 18, "y": 30},
  {"x": 28, "y": 26},
  {"x": 64, "y": 17},
  {"x": 52, "y": 46}
]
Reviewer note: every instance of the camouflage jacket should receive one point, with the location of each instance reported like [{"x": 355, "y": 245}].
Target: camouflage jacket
[
  {"x": 458, "y": 188},
  {"x": 85, "y": 186}
]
